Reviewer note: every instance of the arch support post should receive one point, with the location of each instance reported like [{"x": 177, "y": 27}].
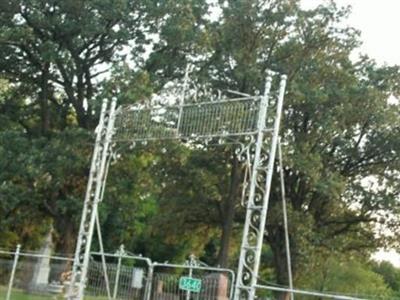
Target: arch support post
[
  {"x": 93, "y": 196},
  {"x": 259, "y": 187}
]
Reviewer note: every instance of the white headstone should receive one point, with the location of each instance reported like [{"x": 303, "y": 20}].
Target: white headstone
[
  {"x": 41, "y": 272},
  {"x": 137, "y": 278}
]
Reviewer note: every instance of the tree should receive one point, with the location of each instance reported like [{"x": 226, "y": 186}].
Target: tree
[
  {"x": 64, "y": 46},
  {"x": 340, "y": 135},
  {"x": 390, "y": 274},
  {"x": 54, "y": 54},
  {"x": 15, "y": 185},
  {"x": 195, "y": 198},
  {"x": 42, "y": 184},
  {"x": 346, "y": 276},
  {"x": 331, "y": 146}
]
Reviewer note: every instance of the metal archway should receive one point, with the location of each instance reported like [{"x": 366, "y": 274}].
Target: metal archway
[{"x": 250, "y": 121}]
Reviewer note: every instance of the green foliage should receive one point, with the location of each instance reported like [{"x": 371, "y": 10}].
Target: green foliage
[
  {"x": 346, "y": 276},
  {"x": 131, "y": 86},
  {"x": 61, "y": 47},
  {"x": 53, "y": 56},
  {"x": 340, "y": 135},
  {"x": 332, "y": 147},
  {"x": 42, "y": 180},
  {"x": 19, "y": 222},
  {"x": 390, "y": 274}
]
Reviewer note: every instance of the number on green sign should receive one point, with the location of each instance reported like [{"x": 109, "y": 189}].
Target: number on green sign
[{"x": 190, "y": 284}]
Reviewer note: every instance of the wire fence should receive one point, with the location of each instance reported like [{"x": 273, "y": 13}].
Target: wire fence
[
  {"x": 128, "y": 276},
  {"x": 26, "y": 275},
  {"x": 37, "y": 276},
  {"x": 191, "y": 282}
]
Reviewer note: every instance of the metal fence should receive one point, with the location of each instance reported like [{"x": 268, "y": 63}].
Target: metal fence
[
  {"x": 6, "y": 268},
  {"x": 191, "y": 281},
  {"x": 128, "y": 276},
  {"x": 25, "y": 275},
  {"x": 37, "y": 276}
]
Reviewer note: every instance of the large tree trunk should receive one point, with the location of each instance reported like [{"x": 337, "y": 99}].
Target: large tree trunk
[
  {"x": 229, "y": 213},
  {"x": 66, "y": 242}
]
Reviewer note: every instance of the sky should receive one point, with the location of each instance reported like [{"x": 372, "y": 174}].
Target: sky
[{"x": 379, "y": 23}]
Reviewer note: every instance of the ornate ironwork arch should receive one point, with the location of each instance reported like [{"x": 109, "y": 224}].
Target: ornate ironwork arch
[{"x": 200, "y": 115}]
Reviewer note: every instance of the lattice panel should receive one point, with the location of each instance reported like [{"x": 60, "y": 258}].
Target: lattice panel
[{"x": 199, "y": 120}]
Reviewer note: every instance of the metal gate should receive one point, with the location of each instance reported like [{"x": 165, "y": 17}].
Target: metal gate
[
  {"x": 128, "y": 276},
  {"x": 191, "y": 281}
]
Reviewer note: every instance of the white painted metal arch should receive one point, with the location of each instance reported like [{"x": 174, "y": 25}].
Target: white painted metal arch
[{"x": 219, "y": 118}]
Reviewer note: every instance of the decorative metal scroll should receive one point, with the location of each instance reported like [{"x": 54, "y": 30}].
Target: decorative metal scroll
[{"x": 201, "y": 120}]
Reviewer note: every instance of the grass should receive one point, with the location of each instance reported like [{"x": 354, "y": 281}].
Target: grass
[
  {"x": 17, "y": 294},
  {"x": 21, "y": 295}
]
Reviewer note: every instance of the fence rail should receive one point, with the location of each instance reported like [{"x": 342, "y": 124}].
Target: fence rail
[
  {"x": 23, "y": 274},
  {"x": 212, "y": 283},
  {"x": 37, "y": 276}
]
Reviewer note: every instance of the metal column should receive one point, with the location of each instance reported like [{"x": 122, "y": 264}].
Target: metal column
[
  {"x": 93, "y": 196},
  {"x": 258, "y": 196}
]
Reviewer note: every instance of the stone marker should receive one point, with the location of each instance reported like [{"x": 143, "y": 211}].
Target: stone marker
[
  {"x": 216, "y": 287},
  {"x": 41, "y": 271}
]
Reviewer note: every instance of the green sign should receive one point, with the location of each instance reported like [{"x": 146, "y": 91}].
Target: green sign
[{"x": 190, "y": 284}]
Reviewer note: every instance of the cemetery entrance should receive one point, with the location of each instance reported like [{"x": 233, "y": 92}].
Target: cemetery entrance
[
  {"x": 191, "y": 281},
  {"x": 195, "y": 117}
]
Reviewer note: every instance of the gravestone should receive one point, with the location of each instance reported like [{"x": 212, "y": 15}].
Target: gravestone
[
  {"x": 137, "y": 278},
  {"x": 41, "y": 272},
  {"x": 216, "y": 285},
  {"x": 161, "y": 295}
]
